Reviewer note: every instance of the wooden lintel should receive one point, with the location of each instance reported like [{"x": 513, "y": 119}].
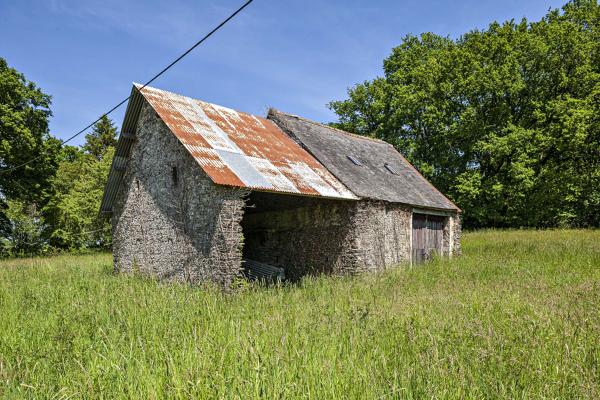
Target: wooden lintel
[{"x": 432, "y": 212}]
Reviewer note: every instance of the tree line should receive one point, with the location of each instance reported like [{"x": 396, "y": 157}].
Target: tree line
[
  {"x": 504, "y": 120},
  {"x": 52, "y": 203}
]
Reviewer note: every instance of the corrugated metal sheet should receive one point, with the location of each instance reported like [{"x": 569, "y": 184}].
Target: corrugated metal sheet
[
  {"x": 122, "y": 149},
  {"x": 240, "y": 149}
]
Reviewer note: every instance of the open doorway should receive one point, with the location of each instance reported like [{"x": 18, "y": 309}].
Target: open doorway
[{"x": 299, "y": 234}]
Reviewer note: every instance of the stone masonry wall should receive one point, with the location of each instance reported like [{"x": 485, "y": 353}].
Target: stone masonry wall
[
  {"x": 451, "y": 242},
  {"x": 169, "y": 219},
  {"x": 383, "y": 234},
  {"x": 301, "y": 234},
  {"x": 456, "y": 234}
]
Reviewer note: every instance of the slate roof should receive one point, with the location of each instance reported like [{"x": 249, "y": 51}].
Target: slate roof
[{"x": 383, "y": 173}]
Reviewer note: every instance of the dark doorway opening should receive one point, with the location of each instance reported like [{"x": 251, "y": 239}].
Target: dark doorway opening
[
  {"x": 301, "y": 234},
  {"x": 262, "y": 257}
]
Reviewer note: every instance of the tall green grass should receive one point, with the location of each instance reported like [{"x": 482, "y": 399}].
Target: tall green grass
[{"x": 518, "y": 316}]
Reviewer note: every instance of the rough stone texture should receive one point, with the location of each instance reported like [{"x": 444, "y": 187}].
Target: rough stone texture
[
  {"x": 456, "y": 234},
  {"x": 448, "y": 237},
  {"x": 182, "y": 228},
  {"x": 310, "y": 236},
  {"x": 303, "y": 235},
  {"x": 383, "y": 234},
  {"x": 451, "y": 238}
]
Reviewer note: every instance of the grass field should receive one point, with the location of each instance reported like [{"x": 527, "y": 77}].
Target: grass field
[{"x": 518, "y": 316}]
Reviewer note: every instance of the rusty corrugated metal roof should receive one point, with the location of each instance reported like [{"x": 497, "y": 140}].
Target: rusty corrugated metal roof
[{"x": 240, "y": 149}]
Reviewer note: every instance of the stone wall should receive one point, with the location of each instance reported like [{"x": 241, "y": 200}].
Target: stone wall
[
  {"x": 456, "y": 234},
  {"x": 382, "y": 234},
  {"x": 169, "y": 219},
  {"x": 304, "y": 235},
  {"x": 310, "y": 236},
  {"x": 448, "y": 237}
]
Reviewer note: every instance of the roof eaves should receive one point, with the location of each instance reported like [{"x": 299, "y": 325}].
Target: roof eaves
[
  {"x": 122, "y": 149},
  {"x": 425, "y": 179}
]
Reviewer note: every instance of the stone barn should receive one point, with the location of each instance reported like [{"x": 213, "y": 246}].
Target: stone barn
[{"x": 199, "y": 192}]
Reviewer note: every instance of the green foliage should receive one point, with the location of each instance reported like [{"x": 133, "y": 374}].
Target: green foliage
[
  {"x": 24, "y": 113},
  {"x": 64, "y": 182},
  {"x": 73, "y": 211},
  {"x": 516, "y": 317},
  {"x": 102, "y": 138},
  {"x": 504, "y": 120},
  {"x": 78, "y": 187},
  {"x": 24, "y": 236}
]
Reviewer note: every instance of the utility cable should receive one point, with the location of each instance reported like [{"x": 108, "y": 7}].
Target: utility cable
[{"x": 198, "y": 43}]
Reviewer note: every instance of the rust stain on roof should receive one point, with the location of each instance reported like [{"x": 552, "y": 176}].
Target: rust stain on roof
[{"x": 240, "y": 149}]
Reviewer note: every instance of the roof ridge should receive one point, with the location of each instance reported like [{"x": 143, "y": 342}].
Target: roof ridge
[
  {"x": 329, "y": 127},
  {"x": 215, "y": 105}
]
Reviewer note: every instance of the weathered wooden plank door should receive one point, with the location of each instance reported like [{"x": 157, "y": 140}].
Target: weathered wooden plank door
[{"x": 427, "y": 236}]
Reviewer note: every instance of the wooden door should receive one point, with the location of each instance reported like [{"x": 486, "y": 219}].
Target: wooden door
[{"x": 427, "y": 236}]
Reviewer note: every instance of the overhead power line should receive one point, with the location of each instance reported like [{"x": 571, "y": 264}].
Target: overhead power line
[{"x": 165, "y": 69}]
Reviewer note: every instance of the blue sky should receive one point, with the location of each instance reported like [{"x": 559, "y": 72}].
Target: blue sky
[{"x": 294, "y": 55}]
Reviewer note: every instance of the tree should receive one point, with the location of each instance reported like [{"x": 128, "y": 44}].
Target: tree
[
  {"x": 103, "y": 137},
  {"x": 24, "y": 114},
  {"x": 73, "y": 212},
  {"x": 25, "y": 234},
  {"x": 503, "y": 120},
  {"x": 78, "y": 187},
  {"x": 54, "y": 200}
]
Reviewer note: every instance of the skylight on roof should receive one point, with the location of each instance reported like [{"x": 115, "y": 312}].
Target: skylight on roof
[
  {"x": 391, "y": 169},
  {"x": 354, "y": 160}
]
